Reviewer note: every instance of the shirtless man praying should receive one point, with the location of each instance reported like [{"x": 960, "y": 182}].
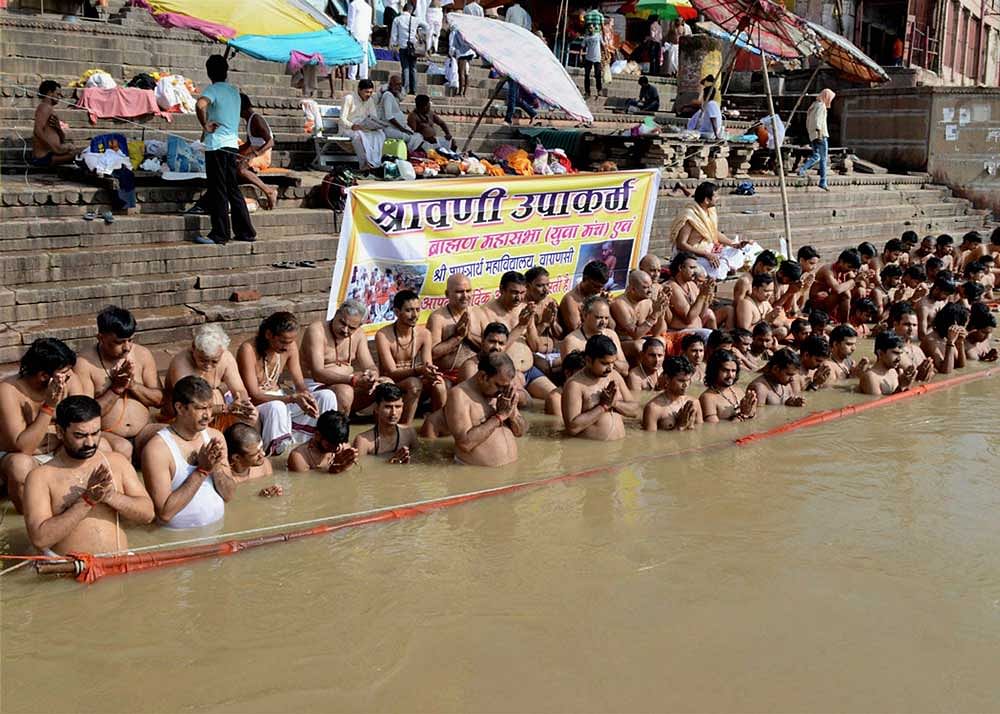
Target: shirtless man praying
[
  {"x": 886, "y": 376},
  {"x": 646, "y": 374},
  {"x": 328, "y": 449},
  {"x": 544, "y": 335},
  {"x": 721, "y": 401},
  {"x": 247, "y": 461},
  {"x": 690, "y": 301},
  {"x": 778, "y": 384},
  {"x": 75, "y": 502},
  {"x": 596, "y": 320},
  {"x": 595, "y": 275},
  {"x": 596, "y": 398},
  {"x": 637, "y": 315},
  {"x": 673, "y": 409},
  {"x": 28, "y": 402},
  {"x": 387, "y": 438},
  {"x": 122, "y": 376},
  {"x": 449, "y": 328},
  {"x": 482, "y": 414},
  {"x": 405, "y": 356},
  {"x": 831, "y": 291}
]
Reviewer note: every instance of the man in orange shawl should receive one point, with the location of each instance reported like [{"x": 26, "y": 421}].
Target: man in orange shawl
[{"x": 695, "y": 230}]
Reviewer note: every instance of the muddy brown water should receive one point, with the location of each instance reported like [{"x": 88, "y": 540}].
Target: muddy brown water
[{"x": 847, "y": 567}]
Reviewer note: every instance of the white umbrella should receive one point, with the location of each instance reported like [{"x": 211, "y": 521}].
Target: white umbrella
[{"x": 522, "y": 56}]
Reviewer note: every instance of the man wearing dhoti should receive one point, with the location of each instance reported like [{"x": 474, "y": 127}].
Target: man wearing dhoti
[{"x": 695, "y": 230}]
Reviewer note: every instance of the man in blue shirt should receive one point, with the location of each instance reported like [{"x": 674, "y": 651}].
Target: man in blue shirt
[{"x": 218, "y": 110}]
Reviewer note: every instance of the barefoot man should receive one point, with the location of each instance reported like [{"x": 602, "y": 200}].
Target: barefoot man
[
  {"x": 48, "y": 141},
  {"x": 387, "y": 438},
  {"x": 482, "y": 414},
  {"x": 335, "y": 356},
  {"x": 596, "y": 398},
  {"x": 28, "y": 404},
  {"x": 637, "y": 315},
  {"x": 122, "y": 376},
  {"x": 186, "y": 465},
  {"x": 404, "y": 353},
  {"x": 673, "y": 409},
  {"x": 449, "y": 328},
  {"x": 75, "y": 502}
]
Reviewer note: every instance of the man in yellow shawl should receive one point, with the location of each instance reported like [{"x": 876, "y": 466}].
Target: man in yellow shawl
[{"x": 695, "y": 230}]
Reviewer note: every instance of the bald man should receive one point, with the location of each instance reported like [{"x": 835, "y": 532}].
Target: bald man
[
  {"x": 637, "y": 315},
  {"x": 652, "y": 266},
  {"x": 449, "y": 328}
]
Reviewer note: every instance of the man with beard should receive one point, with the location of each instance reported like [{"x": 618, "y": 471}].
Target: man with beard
[
  {"x": 482, "y": 414},
  {"x": 449, "y": 328},
  {"x": 509, "y": 308},
  {"x": 722, "y": 401},
  {"x": 886, "y": 376},
  {"x": 646, "y": 373},
  {"x": 595, "y": 399},
  {"x": 673, "y": 409},
  {"x": 595, "y": 275},
  {"x": 637, "y": 315},
  {"x": 122, "y": 376},
  {"x": 75, "y": 502},
  {"x": 690, "y": 301},
  {"x": 387, "y": 437},
  {"x": 843, "y": 342},
  {"x": 186, "y": 465},
  {"x": 903, "y": 322},
  {"x": 778, "y": 384},
  {"x": 596, "y": 315},
  {"x": 405, "y": 355}
]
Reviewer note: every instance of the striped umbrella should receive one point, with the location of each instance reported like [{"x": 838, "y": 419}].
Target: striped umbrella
[
  {"x": 765, "y": 24},
  {"x": 666, "y": 9}
]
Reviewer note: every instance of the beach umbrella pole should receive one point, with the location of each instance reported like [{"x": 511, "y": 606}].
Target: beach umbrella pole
[
  {"x": 482, "y": 114},
  {"x": 781, "y": 162},
  {"x": 805, "y": 90}
]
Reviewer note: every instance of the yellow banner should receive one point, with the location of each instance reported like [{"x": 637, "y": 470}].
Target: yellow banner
[{"x": 414, "y": 235}]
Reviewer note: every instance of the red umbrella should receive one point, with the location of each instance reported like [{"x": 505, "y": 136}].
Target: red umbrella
[{"x": 768, "y": 25}]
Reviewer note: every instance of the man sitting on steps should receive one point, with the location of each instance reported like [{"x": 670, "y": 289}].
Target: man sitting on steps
[{"x": 48, "y": 140}]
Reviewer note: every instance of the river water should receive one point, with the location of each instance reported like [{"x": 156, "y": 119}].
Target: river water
[{"x": 847, "y": 567}]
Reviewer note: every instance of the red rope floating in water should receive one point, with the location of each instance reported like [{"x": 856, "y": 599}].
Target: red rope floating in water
[{"x": 90, "y": 568}]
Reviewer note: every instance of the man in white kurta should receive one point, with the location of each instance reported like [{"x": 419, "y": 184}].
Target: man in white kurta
[
  {"x": 391, "y": 113},
  {"x": 359, "y": 24},
  {"x": 360, "y": 121}
]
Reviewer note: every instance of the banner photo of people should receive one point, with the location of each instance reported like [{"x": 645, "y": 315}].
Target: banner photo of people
[{"x": 414, "y": 235}]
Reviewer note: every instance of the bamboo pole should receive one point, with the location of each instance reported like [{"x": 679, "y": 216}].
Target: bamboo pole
[
  {"x": 482, "y": 114},
  {"x": 781, "y": 162},
  {"x": 805, "y": 91}
]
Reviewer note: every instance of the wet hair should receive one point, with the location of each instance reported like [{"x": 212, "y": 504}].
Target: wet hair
[
  {"x": 276, "y": 323},
  {"x": 909, "y": 238},
  {"x": 798, "y": 325},
  {"x": 980, "y": 317},
  {"x": 972, "y": 291},
  {"x": 972, "y": 237},
  {"x": 690, "y": 339},
  {"x": 648, "y": 342},
  {"x": 916, "y": 272},
  {"x": 706, "y": 189},
  {"x": 890, "y": 271},
  {"x": 240, "y": 438},
  {"x": 600, "y": 346},
  {"x": 591, "y": 300},
  {"x": 495, "y": 362},
  {"x": 894, "y": 245},
  {"x": 597, "y": 271},
  {"x": 365, "y": 84},
  {"x": 511, "y": 276},
  {"x": 47, "y": 87},
  {"x": 766, "y": 258},
  {"x": 217, "y": 68},
  {"x": 944, "y": 284},
  {"x": 333, "y": 427},
  {"x": 574, "y": 362},
  {"x": 850, "y": 258},
  {"x": 807, "y": 252},
  {"x": 714, "y": 366},
  {"x": 116, "y": 321},
  {"x": 718, "y": 338},
  {"x": 933, "y": 263},
  {"x": 818, "y": 320},
  {"x": 783, "y": 359},
  {"x": 865, "y": 306},
  {"x": 403, "y": 297},
  {"x": 761, "y": 329},
  {"x": 191, "y": 389},
  {"x": 387, "y": 392},
  {"x": 738, "y": 333},
  {"x": 815, "y": 346},
  {"x": 898, "y": 310},
  {"x": 951, "y": 314},
  {"x": 673, "y": 366},
  {"x": 678, "y": 260},
  {"x": 944, "y": 239},
  {"x": 975, "y": 266},
  {"x": 888, "y": 340},
  {"x": 210, "y": 338},
  {"x": 761, "y": 279},
  {"x": 841, "y": 333},
  {"x": 245, "y": 103},
  {"x": 75, "y": 409},
  {"x": 496, "y": 328},
  {"x": 422, "y": 100},
  {"x": 867, "y": 250},
  {"x": 532, "y": 274},
  {"x": 790, "y": 269},
  {"x": 47, "y": 355}
]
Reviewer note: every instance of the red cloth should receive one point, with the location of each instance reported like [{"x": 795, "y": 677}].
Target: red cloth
[{"x": 120, "y": 102}]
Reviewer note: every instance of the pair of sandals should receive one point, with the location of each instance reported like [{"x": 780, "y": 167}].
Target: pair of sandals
[
  {"x": 290, "y": 264},
  {"x": 108, "y": 216}
]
